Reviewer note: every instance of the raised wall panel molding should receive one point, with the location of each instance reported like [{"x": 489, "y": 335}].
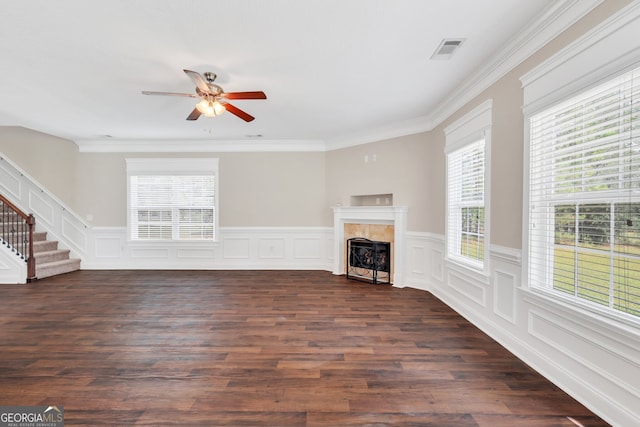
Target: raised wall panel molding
[
  {"x": 625, "y": 339},
  {"x": 73, "y": 233},
  {"x": 41, "y": 207},
  {"x": 235, "y": 248},
  {"x": 150, "y": 253},
  {"x": 271, "y": 248},
  {"x": 437, "y": 264},
  {"x": 570, "y": 339},
  {"x": 417, "y": 259},
  {"x": 504, "y": 294},
  {"x": 306, "y": 248},
  {"x": 107, "y": 246},
  {"x": 195, "y": 253},
  {"x": 466, "y": 287}
]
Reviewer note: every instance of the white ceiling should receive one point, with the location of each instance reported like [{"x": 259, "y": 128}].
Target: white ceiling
[{"x": 331, "y": 69}]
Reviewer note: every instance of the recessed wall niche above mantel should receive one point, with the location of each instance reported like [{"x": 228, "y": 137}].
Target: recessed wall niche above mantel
[{"x": 372, "y": 200}]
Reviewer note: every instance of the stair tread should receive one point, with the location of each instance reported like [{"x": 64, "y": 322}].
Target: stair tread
[
  {"x": 44, "y": 246},
  {"x": 59, "y": 262},
  {"x": 51, "y": 252},
  {"x": 55, "y": 268}
]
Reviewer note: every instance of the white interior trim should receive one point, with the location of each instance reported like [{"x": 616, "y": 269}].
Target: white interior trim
[{"x": 614, "y": 43}]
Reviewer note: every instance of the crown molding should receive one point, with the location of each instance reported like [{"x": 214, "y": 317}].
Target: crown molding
[
  {"x": 198, "y": 146},
  {"x": 555, "y": 19}
]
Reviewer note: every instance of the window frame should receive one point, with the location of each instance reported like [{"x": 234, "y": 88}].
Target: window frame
[
  {"x": 542, "y": 200},
  {"x": 172, "y": 167},
  {"x": 604, "y": 52},
  {"x": 473, "y": 127}
]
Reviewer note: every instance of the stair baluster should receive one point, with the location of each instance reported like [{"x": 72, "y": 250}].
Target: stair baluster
[{"x": 17, "y": 234}]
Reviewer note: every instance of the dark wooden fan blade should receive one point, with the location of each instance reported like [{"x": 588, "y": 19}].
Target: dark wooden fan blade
[
  {"x": 194, "y": 114},
  {"x": 246, "y": 95},
  {"x": 238, "y": 112},
  {"x": 188, "y": 95},
  {"x": 198, "y": 80}
]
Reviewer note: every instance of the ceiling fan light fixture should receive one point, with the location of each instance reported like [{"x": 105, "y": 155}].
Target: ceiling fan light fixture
[
  {"x": 213, "y": 100},
  {"x": 210, "y": 108}
]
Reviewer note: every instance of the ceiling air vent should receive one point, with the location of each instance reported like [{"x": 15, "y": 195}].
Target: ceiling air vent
[{"x": 447, "y": 48}]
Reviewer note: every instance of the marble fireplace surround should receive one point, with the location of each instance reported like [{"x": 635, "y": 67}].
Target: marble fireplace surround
[{"x": 383, "y": 215}]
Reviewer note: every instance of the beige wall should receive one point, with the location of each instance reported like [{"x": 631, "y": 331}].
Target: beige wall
[
  {"x": 101, "y": 188},
  {"x": 273, "y": 189},
  {"x": 256, "y": 189},
  {"x": 48, "y": 159},
  {"x": 400, "y": 167},
  {"x": 507, "y": 142}
]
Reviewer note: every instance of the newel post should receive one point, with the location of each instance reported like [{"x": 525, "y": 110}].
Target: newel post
[{"x": 31, "y": 261}]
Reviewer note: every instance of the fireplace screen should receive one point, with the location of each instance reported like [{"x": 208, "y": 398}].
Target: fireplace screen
[{"x": 368, "y": 260}]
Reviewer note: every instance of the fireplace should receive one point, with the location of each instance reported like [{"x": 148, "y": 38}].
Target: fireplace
[
  {"x": 368, "y": 260},
  {"x": 393, "y": 219}
]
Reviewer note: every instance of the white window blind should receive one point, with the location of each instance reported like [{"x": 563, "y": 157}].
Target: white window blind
[
  {"x": 584, "y": 197},
  {"x": 466, "y": 204},
  {"x": 167, "y": 202}
]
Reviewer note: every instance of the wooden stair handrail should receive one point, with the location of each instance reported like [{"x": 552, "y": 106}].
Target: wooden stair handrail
[{"x": 30, "y": 222}]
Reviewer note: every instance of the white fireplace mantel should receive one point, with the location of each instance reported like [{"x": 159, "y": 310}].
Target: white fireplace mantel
[{"x": 396, "y": 215}]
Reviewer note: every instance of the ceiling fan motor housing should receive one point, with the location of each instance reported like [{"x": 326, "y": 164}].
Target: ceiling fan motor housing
[{"x": 214, "y": 90}]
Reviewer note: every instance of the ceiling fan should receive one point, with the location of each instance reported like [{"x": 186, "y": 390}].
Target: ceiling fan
[{"x": 213, "y": 100}]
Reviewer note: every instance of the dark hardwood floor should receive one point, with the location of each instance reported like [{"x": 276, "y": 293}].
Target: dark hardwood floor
[{"x": 260, "y": 348}]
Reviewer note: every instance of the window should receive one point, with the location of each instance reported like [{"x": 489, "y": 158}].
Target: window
[
  {"x": 467, "y": 165},
  {"x": 172, "y": 199},
  {"x": 584, "y": 197},
  {"x": 466, "y": 202}
]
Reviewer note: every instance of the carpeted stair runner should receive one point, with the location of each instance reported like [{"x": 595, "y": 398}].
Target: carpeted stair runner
[{"x": 50, "y": 260}]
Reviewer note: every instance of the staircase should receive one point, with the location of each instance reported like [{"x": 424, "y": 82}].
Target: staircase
[{"x": 50, "y": 260}]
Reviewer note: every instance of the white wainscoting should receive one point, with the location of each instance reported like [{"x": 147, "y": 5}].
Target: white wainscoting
[
  {"x": 269, "y": 248},
  {"x": 593, "y": 358}
]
